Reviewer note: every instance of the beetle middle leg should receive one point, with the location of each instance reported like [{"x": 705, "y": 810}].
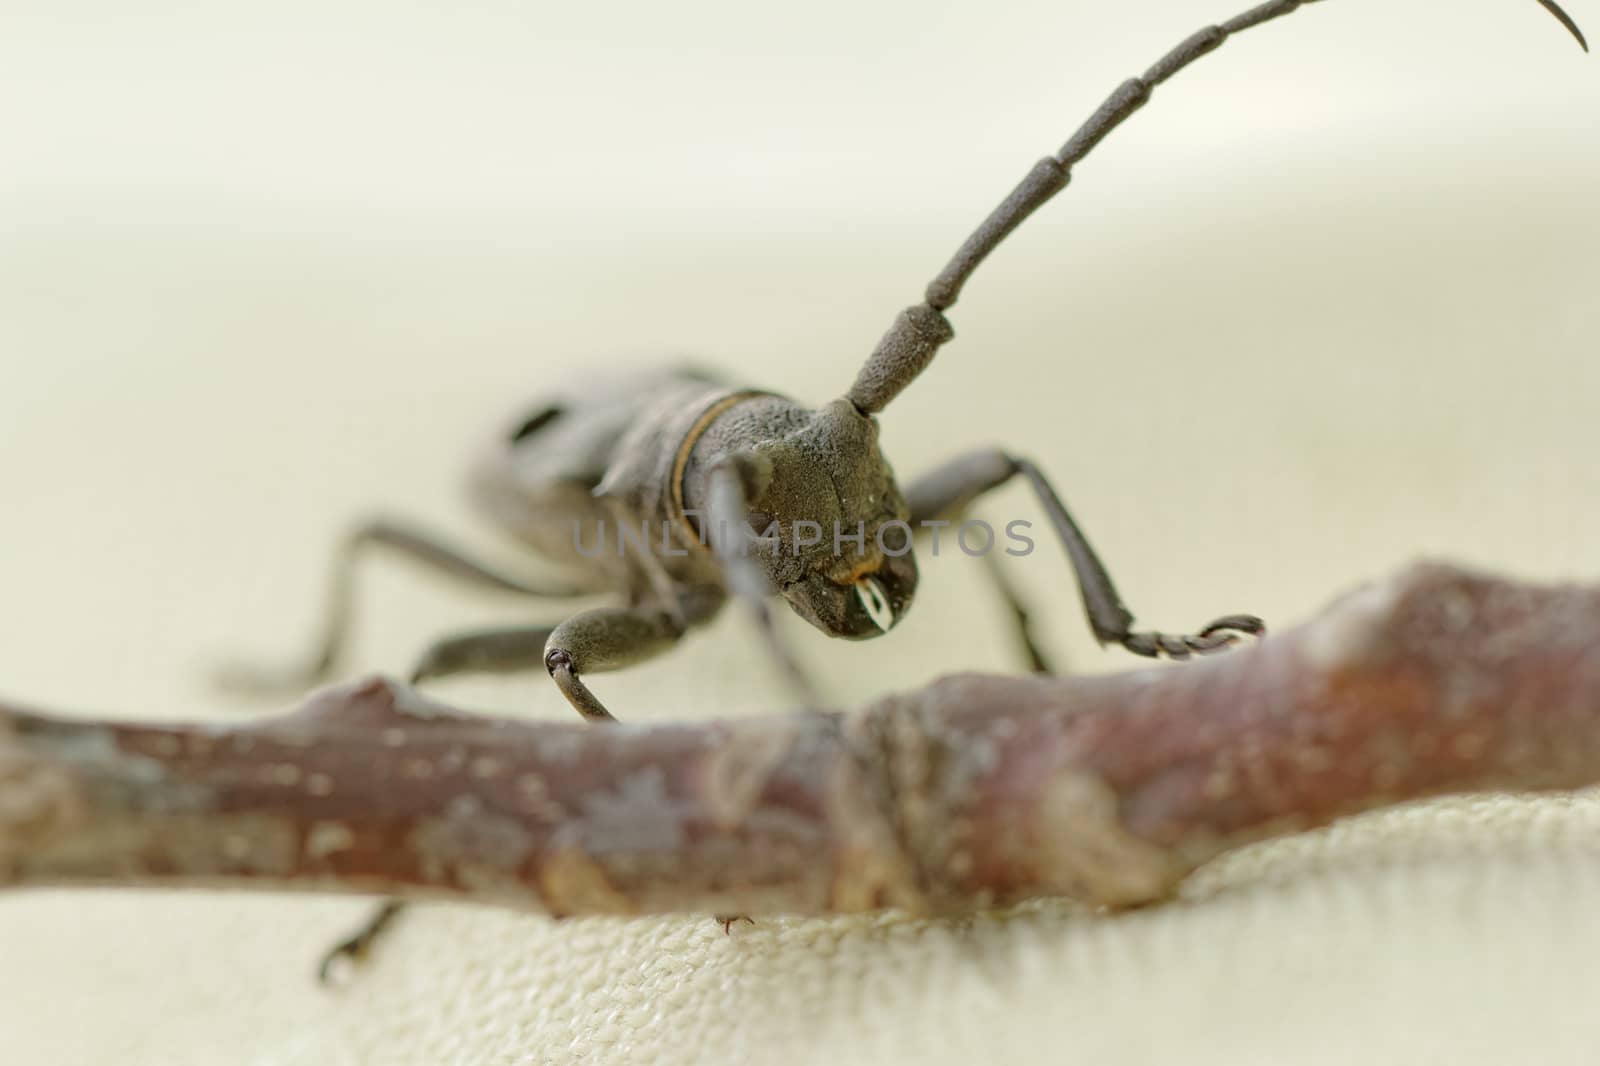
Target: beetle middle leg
[
  {"x": 951, "y": 488},
  {"x": 945, "y": 494},
  {"x": 408, "y": 542},
  {"x": 503, "y": 650},
  {"x": 606, "y": 638}
]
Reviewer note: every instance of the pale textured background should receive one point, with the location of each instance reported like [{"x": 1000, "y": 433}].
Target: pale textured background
[{"x": 1328, "y": 304}]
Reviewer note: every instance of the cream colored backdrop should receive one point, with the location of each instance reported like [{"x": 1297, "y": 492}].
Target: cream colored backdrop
[{"x": 1328, "y": 304}]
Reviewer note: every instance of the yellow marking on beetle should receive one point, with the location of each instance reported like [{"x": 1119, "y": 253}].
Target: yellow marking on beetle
[
  {"x": 870, "y": 564},
  {"x": 680, "y": 462}
]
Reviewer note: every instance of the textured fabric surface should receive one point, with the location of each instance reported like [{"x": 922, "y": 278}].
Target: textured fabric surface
[{"x": 1319, "y": 315}]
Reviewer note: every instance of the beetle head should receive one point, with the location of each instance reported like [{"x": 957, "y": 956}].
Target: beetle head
[{"x": 837, "y": 543}]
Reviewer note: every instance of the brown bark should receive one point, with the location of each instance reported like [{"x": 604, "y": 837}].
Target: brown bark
[{"x": 973, "y": 791}]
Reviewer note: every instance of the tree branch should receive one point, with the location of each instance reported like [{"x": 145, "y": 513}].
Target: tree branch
[{"x": 973, "y": 791}]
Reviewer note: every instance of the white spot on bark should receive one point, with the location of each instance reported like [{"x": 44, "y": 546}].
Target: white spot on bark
[
  {"x": 1353, "y": 628},
  {"x": 536, "y": 798},
  {"x": 482, "y": 851},
  {"x": 736, "y": 774},
  {"x": 1093, "y": 854},
  {"x": 564, "y": 746},
  {"x": 283, "y": 773},
  {"x": 1219, "y": 784},
  {"x": 638, "y": 816},
  {"x": 411, "y": 703},
  {"x": 325, "y": 838}
]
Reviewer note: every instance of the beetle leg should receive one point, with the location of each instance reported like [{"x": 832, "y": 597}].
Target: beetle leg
[
  {"x": 408, "y": 542},
  {"x": 607, "y": 638},
  {"x": 611, "y": 638},
  {"x": 1021, "y": 620},
  {"x": 352, "y": 950},
  {"x": 484, "y": 651},
  {"x": 746, "y": 580},
  {"x": 946, "y": 493},
  {"x": 503, "y": 650},
  {"x": 950, "y": 489}
]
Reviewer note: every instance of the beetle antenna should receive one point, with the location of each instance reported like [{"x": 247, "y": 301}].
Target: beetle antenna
[
  {"x": 1565, "y": 20},
  {"x": 920, "y": 330}
]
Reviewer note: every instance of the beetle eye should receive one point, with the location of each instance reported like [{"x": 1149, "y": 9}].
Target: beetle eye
[{"x": 894, "y": 538}]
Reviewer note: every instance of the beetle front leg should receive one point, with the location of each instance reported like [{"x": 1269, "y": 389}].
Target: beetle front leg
[
  {"x": 951, "y": 488},
  {"x": 733, "y": 482},
  {"x": 946, "y": 493},
  {"x": 609, "y": 638}
]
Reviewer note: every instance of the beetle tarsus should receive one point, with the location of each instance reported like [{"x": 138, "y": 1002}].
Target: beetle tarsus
[
  {"x": 349, "y": 953},
  {"x": 1218, "y": 636}
]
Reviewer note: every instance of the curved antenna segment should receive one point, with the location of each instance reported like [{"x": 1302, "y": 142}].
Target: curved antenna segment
[{"x": 919, "y": 331}]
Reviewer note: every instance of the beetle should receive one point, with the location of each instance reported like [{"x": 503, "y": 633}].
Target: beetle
[{"x": 723, "y": 482}]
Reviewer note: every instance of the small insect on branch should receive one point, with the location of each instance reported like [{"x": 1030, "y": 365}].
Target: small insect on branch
[{"x": 976, "y": 790}]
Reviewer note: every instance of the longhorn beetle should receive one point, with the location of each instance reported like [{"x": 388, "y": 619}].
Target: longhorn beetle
[{"x": 719, "y": 468}]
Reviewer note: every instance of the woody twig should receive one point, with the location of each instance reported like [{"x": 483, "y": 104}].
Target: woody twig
[{"x": 974, "y": 791}]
